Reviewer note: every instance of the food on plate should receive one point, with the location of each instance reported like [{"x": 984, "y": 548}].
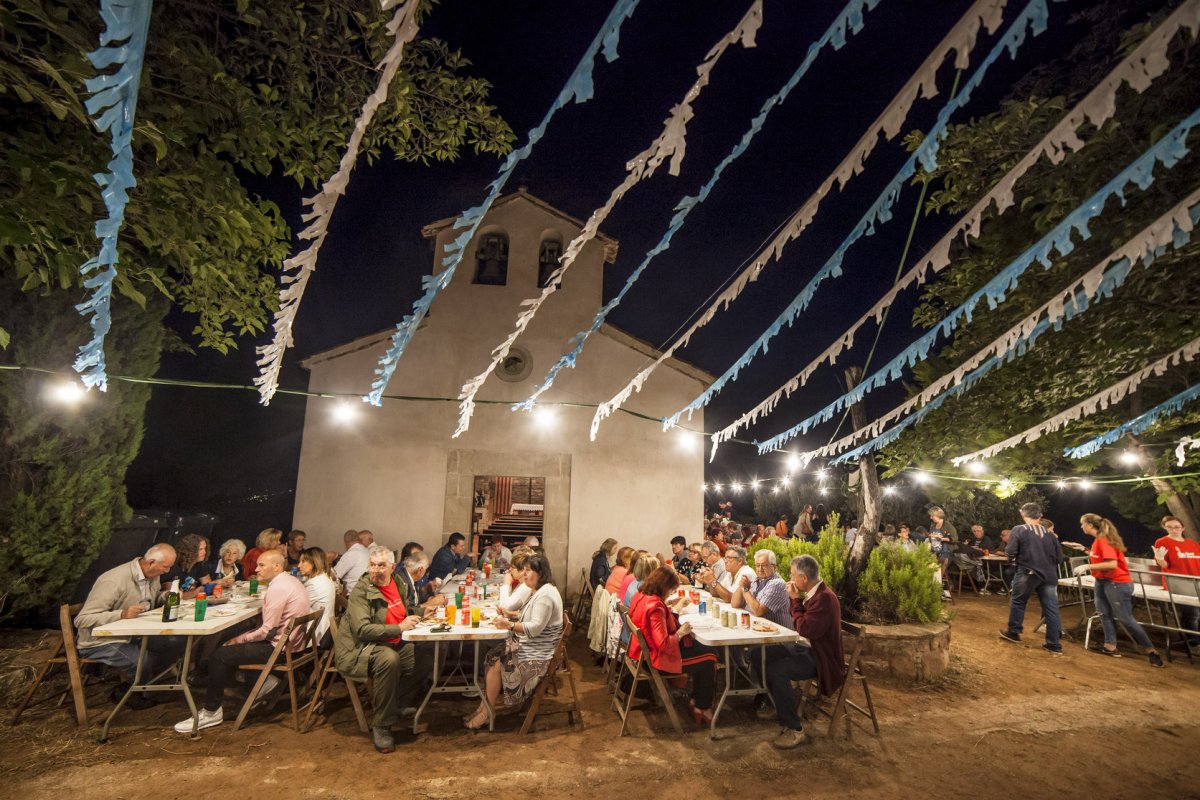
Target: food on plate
[{"x": 762, "y": 627}]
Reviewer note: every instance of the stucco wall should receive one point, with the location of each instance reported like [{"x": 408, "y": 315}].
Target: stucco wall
[{"x": 392, "y": 469}]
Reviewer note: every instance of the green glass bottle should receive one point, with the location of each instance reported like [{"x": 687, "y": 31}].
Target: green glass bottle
[{"x": 171, "y": 604}]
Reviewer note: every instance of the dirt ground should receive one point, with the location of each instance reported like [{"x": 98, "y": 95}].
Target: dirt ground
[{"x": 1007, "y": 721}]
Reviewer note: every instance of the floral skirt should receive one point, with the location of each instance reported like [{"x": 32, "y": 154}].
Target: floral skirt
[{"x": 518, "y": 677}]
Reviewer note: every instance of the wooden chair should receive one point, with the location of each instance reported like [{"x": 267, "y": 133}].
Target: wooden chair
[
  {"x": 962, "y": 573},
  {"x": 842, "y": 705},
  {"x": 641, "y": 671},
  {"x": 583, "y": 604},
  {"x": 559, "y": 664},
  {"x": 305, "y": 654},
  {"x": 326, "y": 675},
  {"x": 66, "y": 653}
]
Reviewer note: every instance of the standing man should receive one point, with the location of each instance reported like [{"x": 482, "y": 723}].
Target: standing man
[
  {"x": 353, "y": 563},
  {"x": 123, "y": 592},
  {"x": 286, "y": 600},
  {"x": 1035, "y": 554},
  {"x": 766, "y": 595},
  {"x": 369, "y": 643},
  {"x": 451, "y": 558},
  {"x": 817, "y": 616}
]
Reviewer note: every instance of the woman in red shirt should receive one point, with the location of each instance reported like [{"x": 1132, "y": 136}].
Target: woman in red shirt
[
  {"x": 1180, "y": 556},
  {"x": 1114, "y": 586},
  {"x": 672, "y": 649}
]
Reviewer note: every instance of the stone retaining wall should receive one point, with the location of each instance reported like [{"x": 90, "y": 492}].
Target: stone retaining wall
[{"x": 906, "y": 652}]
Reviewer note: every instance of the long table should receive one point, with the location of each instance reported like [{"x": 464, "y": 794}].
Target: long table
[
  {"x": 148, "y": 624},
  {"x": 708, "y": 630},
  {"x": 1147, "y": 592}
]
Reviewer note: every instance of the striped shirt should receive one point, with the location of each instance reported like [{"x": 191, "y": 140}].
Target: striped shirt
[
  {"x": 541, "y": 624},
  {"x": 772, "y": 593}
]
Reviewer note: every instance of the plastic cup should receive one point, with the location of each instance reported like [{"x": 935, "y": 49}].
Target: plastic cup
[
  {"x": 253, "y": 586},
  {"x": 476, "y": 615}
]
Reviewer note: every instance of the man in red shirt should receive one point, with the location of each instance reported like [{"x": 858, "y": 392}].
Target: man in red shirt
[{"x": 1180, "y": 556}]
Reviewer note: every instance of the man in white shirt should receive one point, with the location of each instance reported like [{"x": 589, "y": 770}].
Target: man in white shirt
[
  {"x": 353, "y": 563},
  {"x": 736, "y": 569}
]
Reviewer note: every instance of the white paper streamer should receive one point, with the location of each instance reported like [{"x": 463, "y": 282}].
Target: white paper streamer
[
  {"x": 298, "y": 268},
  {"x": 1139, "y": 69},
  {"x": 961, "y": 40},
  {"x": 1185, "y": 444},
  {"x": 672, "y": 144},
  {"x": 1097, "y": 402},
  {"x": 1141, "y": 248}
]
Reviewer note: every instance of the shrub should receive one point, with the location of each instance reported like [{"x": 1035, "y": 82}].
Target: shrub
[
  {"x": 829, "y": 551},
  {"x": 897, "y": 586}
]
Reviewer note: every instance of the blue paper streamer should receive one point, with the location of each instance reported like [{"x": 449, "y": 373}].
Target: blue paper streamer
[
  {"x": 1167, "y": 151},
  {"x": 1137, "y": 424},
  {"x": 579, "y": 89},
  {"x": 112, "y": 107},
  {"x": 1033, "y": 17},
  {"x": 850, "y": 20}
]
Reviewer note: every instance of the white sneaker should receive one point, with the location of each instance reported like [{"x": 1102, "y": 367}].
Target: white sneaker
[
  {"x": 984, "y": 592},
  {"x": 269, "y": 686},
  {"x": 208, "y": 719}
]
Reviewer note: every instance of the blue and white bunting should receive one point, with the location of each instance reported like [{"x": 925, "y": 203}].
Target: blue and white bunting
[
  {"x": 1133, "y": 427},
  {"x": 850, "y": 20},
  {"x": 112, "y": 106},
  {"x": 579, "y": 89}
]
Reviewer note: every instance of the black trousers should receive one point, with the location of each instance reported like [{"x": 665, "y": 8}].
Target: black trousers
[{"x": 225, "y": 662}]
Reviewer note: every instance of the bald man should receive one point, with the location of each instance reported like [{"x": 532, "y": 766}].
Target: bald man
[
  {"x": 286, "y": 600},
  {"x": 123, "y": 592}
]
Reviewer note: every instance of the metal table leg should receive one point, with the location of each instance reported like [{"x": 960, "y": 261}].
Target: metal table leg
[
  {"x": 437, "y": 651},
  {"x": 137, "y": 679}
]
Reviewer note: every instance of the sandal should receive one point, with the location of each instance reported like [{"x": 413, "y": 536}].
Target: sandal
[{"x": 472, "y": 725}]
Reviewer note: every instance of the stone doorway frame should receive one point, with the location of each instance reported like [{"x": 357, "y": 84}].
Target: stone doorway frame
[{"x": 463, "y": 465}]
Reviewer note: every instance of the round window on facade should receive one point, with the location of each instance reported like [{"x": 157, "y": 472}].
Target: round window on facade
[{"x": 516, "y": 366}]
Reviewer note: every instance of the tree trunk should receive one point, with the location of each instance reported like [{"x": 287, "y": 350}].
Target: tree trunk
[
  {"x": 1177, "y": 504},
  {"x": 869, "y": 501}
]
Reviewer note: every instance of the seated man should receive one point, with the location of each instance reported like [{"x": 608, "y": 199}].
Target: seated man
[
  {"x": 979, "y": 541},
  {"x": 497, "y": 555},
  {"x": 766, "y": 595},
  {"x": 817, "y": 616},
  {"x": 369, "y": 643},
  {"x": 411, "y": 573},
  {"x": 451, "y": 558},
  {"x": 286, "y": 600},
  {"x": 123, "y": 592},
  {"x": 353, "y": 563},
  {"x": 711, "y": 566},
  {"x": 736, "y": 570}
]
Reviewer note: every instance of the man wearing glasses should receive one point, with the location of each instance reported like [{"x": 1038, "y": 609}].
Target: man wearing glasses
[
  {"x": 766, "y": 595},
  {"x": 735, "y": 571}
]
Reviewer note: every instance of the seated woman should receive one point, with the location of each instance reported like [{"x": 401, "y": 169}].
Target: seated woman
[
  {"x": 268, "y": 539},
  {"x": 227, "y": 569},
  {"x": 619, "y": 571},
  {"x": 642, "y": 569},
  {"x": 321, "y": 586},
  {"x": 601, "y": 568},
  {"x": 672, "y": 649},
  {"x": 191, "y": 565},
  {"x": 510, "y": 606},
  {"x": 627, "y": 581},
  {"x": 513, "y": 669}
]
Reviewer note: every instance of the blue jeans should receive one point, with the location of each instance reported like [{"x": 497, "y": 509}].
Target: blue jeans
[
  {"x": 787, "y": 663},
  {"x": 160, "y": 652},
  {"x": 1024, "y": 585},
  {"x": 1114, "y": 601}
]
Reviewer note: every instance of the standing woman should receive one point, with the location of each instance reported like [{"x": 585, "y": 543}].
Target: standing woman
[
  {"x": 804, "y": 523},
  {"x": 602, "y": 563},
  {"x": 512, "y": 669},
  {"x": 819, "y": 519},
  {"x": 1114, "y": 586},
  {"x": 672, "y": 648}
]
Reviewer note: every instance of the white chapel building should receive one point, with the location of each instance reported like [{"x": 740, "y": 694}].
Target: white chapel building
[{"x": 397, "y": 471}]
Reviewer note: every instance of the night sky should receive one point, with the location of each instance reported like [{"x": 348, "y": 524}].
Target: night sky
[{"x": 219, "y": 451}]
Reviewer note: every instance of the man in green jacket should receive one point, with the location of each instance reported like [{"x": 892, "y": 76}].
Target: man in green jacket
[{"x": 369, "y": 643}]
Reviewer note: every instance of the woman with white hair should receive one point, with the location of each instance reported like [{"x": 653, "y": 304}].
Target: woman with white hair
[{"x": 228, "y": 567}]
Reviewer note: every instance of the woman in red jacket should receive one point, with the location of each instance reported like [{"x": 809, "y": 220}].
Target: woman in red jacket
[{"x": 672, "y": 649}]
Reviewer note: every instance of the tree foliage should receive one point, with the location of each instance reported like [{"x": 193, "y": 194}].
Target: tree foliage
[
  {"x": 231, "y": 92},
  {"x": 898, "y": 586},
  {"x": 229, "y": 89},
  {"x": 1151, "y": 315}
]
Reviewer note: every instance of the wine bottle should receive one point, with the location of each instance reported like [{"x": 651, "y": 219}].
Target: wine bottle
[{"x": 171, "y": 605}]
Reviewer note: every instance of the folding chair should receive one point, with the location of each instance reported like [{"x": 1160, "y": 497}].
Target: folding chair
[
  {"x": 558, "y": 664},
  {"x": 306, "y": 653},
  {"x": 326, "y": 674},
  {"x": 66, "y": 652},
  {"x": 583, "y": 603},
  {"x": 613, "y": 665},
  {"x": 842, "y": 705},
  {"x": 641, "y": 670}
]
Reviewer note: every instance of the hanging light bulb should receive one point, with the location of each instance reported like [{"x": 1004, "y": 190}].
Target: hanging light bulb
[
  {"x": 1086, "y": 484},
  {"x": 793, "y": 463},
  {"x": 1130, "y": 458},
  {"x": 922, "y": 477},
  {"x": 976, "y": 467},
  {"x": 345, "y": 412}
]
